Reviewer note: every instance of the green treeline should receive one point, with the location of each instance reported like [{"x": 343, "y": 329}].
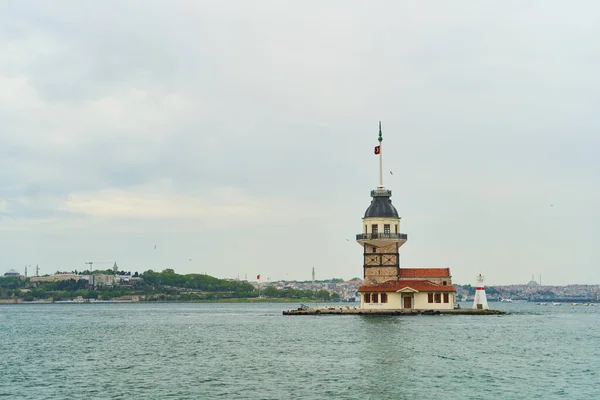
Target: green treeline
[
  {"x": 322, "y": 295},
  {"x": 165, "y": 285},
  {"x": 168, "y": 278}
]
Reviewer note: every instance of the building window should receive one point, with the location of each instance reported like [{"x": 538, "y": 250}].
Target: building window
[
  {"x": 367, "y": 297},
  {"x": 374, "y": 249},
  {"x": 375, "y": 298},
  {"x": 386, "y": 229},
  {"x": 430, "y": 297},
  {"x": 374, "y": 229},
  {"x": 384, "y": 297},
  {"x": 444, "y": 283},
  {"x": 396, "y": 228},
  {"x": 365, "y": 229},
  {"x": 446, "y": 298},
  {"x": 438, "y": 298}
]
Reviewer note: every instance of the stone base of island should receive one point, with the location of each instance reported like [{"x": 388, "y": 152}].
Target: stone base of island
[{"x": 346, "y": 310}]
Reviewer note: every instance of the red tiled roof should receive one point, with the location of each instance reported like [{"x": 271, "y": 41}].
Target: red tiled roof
[
  {"x": 418, "y": 285},
  {"x": 424, "y": 272}
]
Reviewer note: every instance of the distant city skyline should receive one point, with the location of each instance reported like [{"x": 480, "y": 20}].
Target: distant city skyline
[
  {"x": 234, "y": 138},
  {"x": 265, "y": 279}
]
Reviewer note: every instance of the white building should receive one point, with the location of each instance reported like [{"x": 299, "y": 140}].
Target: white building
[
  {"x": 12, "y": 273},
  {"x": 408, "y": 295},
  {"x": 65, "y": 276}
]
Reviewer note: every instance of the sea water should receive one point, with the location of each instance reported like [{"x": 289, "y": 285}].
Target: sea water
[{"x": 252, "y": 351}]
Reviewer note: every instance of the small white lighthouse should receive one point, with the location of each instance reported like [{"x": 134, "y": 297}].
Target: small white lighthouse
[{"x": 480, "y": 301}]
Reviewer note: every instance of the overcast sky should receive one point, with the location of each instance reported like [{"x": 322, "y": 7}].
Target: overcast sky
[{"x": 237, "y": 136}]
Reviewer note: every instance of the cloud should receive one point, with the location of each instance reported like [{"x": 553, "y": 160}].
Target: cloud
[
  {"x": 160, "y": 202},
  {"x": 202, "y": 116},
  {"x": 225, "y": 205}
]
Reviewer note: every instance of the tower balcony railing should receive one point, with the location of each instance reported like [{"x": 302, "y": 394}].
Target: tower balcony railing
[
  {"x": 372, "y": 236},
  {"x": 381, "y": 192}
]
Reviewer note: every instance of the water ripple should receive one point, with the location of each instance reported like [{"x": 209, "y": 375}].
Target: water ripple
[{"x": 251, "y": 351}]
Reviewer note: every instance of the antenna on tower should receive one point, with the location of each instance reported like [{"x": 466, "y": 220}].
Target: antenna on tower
[
  {"x": 378, "y": 151},
  {"x": 91, "y": 280},
  {"x": 37, "y": 270}
]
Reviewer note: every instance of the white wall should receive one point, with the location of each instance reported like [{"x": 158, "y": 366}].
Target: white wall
[
  {"x": 368, "y": 222},
  {"x": 392, "y": 304},
  {"x": 421, "y": 302}
]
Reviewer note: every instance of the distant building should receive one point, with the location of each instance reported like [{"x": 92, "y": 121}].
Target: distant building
[
  {"x": 106, "y": 280},
  {"x": 59, "y": 277},
  {"x": 387, "y": 286},
  {"x": 12, "y": 273},
  {"x": 532, "y": 282}
]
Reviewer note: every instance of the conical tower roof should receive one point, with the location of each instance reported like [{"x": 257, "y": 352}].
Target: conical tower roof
[{"x": 381, "y": 206}]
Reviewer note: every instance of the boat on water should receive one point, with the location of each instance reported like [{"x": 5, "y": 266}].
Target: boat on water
[
  {"x": 556, "y": 304},
  {"x": 506, "y": 300}
]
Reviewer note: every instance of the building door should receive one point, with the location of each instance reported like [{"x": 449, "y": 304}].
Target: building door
[{"x": 407, "y": 302}]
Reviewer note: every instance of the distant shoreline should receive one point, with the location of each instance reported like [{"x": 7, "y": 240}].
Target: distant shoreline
[
  {"x": 239, "y": 300},
  {"x": 233, "y": 300}
]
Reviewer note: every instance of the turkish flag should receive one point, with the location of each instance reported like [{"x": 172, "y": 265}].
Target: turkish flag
[
  {"x": 258, "y": 276},
  {"x": 377, "y": 149}
]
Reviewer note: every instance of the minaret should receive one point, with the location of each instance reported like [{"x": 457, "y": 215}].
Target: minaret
[
  {"x": 381, "y": 238},
  {"x": 480, "y": 301}
]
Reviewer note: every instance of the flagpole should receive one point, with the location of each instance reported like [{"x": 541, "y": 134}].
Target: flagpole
[{"x": 380, "y": 138}]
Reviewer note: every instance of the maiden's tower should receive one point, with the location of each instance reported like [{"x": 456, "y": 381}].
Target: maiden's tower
[{"x": 386, "y": 284}]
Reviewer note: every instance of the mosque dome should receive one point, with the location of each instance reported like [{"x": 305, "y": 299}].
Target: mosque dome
[
  {"x": 381, "y": 205},
  {"x": 12, "y": 272}
]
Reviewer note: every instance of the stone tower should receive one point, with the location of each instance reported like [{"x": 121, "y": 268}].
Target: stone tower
[{"x": 381, "y": 238}]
